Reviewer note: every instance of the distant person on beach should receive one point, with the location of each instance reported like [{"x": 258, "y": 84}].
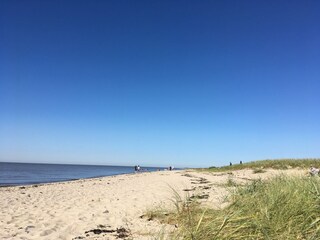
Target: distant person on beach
[
  {"x": 240, "y": 162},
  {"x": 136, "y": 168},
  {"x": 230, "y": 163}
]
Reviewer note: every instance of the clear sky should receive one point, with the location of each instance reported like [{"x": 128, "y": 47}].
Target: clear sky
[{"x": 158, "y": 83}]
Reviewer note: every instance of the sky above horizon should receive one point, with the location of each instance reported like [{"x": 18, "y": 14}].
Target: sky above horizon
[{"x": 159, "y": 83}]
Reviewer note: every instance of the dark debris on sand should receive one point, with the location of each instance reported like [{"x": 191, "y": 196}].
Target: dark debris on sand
[
  {"x": 203, "y": 196},
  {"x": 118, "y": 233}
]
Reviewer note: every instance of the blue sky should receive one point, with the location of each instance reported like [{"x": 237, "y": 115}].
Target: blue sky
[{"x": 158, "y": 83}]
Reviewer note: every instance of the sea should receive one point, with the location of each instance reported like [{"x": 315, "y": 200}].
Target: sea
[{"x": 13, "y": 174}]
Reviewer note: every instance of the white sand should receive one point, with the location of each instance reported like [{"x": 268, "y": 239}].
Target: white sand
[{"x": 67, "y": 210}]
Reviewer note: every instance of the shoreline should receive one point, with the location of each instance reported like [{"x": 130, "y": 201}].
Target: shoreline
[
  {"x": 75, "y": 179},
  {"x": 62, "y": 181}
]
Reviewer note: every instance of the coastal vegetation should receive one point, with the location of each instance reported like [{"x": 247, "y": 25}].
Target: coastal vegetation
[
  {"x": 282, "y": 164},
  {"x": 285, "y": 207}
]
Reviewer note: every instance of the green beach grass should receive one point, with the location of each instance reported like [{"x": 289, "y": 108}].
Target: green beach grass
[
  {"x": 284, "y": 207},
  {"x": 282, "y": 164}
]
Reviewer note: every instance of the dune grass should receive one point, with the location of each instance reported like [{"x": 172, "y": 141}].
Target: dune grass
[
  {"x": 281, "y": 208},
  {"x": 274, "y": 164}
]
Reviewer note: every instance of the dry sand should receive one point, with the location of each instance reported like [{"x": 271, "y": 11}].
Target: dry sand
[{"x": 68, "y": 210}]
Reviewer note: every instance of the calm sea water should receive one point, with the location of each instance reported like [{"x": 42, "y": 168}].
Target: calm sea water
[{"x": 32, "y": 173}]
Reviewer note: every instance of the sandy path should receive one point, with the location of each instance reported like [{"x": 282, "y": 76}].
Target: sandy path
[{"x": 68, "y": 210}]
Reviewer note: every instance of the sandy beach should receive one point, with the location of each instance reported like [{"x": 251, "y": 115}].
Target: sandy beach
[{"x": 109, "y": 207}]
